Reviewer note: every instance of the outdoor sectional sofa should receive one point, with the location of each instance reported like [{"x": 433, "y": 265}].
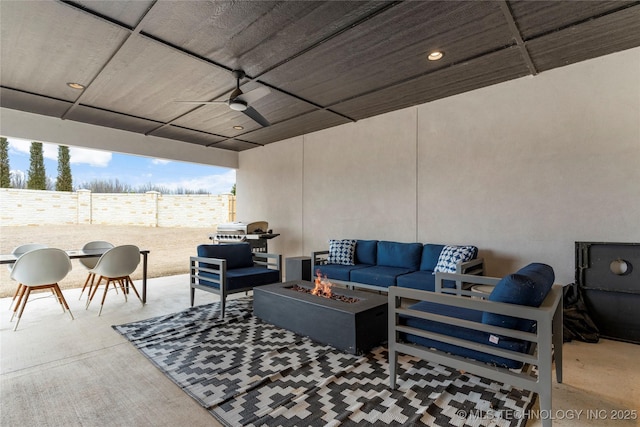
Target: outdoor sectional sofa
[{"x": 377, "y": 265}]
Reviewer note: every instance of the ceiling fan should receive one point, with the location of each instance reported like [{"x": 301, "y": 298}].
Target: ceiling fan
[{"x": 240, "y": 101}]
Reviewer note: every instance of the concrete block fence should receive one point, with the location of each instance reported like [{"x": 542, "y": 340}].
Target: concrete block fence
[{"x": 151, "y": 209}]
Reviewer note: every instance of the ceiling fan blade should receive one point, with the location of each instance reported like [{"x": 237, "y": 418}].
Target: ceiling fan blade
[
  {"x": 202, "y": 102},
  {"x": 253, "y": 95},
  {"x": 255, "y": 116}
]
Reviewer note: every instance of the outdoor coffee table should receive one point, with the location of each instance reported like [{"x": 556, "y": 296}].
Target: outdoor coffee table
[{"x": 354, "y": 327}]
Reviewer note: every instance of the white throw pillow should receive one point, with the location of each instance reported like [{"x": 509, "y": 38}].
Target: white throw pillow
[
  {"x": 450, "y": 256},
  {"x": 342, "y": 252}
]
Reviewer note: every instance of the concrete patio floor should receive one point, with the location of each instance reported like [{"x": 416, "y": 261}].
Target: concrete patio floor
[{"x": 56, "y": 371}]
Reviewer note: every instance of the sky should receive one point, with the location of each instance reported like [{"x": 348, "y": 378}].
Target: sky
[{"x": 88, "y": 165}]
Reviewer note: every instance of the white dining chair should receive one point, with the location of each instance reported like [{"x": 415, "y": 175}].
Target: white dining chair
[
  {"x": 40, "y": 269},
  {"x": 18, "y": 252},
  {"x": 91, "y": 262},
  {"x": 115, "y": 267}
]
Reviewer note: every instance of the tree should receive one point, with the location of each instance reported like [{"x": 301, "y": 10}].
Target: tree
[
  {"x": 37, "y": 179},
  {"x": 64, "y": 181},
  {"x": 5, "y": 171},
  {"x": 233, "y": 189}
]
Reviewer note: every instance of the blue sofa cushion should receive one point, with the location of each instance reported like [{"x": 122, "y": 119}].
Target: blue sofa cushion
[
  {"x": 462, "y": 333},
  {"x": 238, "y": 255},
  {"x": 528, "y": 286},
  {"x": 401, "y": 255},
  {"x": 241, "y": 278},
  {"x": 424, "y": 280},
  {"x": 338, "y": 272},
  {"x": 452, "y": 255},
  {"x": 366, "y": 252},
  {"x": 342, "y": 252},
  {"x": 430, "y": 256},
  {"x": 378, "y": 275}
]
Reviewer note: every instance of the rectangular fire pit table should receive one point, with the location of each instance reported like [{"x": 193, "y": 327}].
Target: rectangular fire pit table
[{"x": 354, "y": 327}]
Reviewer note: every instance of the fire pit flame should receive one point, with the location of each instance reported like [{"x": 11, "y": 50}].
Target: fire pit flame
[
  {"x": 323, "y": 286},
  {"x": 323, "y": 289}
]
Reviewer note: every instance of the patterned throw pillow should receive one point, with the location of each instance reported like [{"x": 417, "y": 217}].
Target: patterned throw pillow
[
  {"x": 342, "y": 252},
  {"x": 450, "y": 256}
]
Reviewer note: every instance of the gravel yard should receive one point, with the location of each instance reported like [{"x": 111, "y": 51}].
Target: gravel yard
[{"x": 170, "y": 247}]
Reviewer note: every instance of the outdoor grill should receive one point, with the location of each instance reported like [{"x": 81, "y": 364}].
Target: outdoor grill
[{"x": 256, "y": 233}]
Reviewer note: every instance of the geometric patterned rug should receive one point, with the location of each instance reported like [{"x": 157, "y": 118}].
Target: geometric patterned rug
[{"x": 247, "y": 372}]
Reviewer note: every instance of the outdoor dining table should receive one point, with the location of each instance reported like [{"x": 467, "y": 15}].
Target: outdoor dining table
[{"x": 89, "y": 253}]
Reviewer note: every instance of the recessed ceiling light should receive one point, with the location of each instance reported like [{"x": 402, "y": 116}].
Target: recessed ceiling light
[
  {"x": 75, "y": 85},
  {"x": 435, "y": 56},
  {"x": 238, "y": 127}
]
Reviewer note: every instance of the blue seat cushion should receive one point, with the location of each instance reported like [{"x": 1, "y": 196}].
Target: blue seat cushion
[
  {"x": 243, "y": 278},
  {"x": 528, "y": 286},
  {"x": 238, "y": 255},
  {"x": 402, "y": 255},
  {"x": 430, "y": 255},
  {"x": 338, "y": 271},
  {"x": 423, "y": 280},
  {"x": 378, "y": 275},
  {"x": 366, "y": 252},
  {"x": 462, "y": 333}
]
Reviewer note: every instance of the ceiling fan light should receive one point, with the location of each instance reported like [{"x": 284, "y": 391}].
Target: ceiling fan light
[{"x": 238, "y": 105}]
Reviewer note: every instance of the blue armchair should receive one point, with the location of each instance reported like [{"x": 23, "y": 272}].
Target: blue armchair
[
  {"x": 519, "y": 325},
  {"x": 231, "y": 268}
]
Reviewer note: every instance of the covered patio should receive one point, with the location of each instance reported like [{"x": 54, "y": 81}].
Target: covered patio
[{"x": 521, "y": 145}]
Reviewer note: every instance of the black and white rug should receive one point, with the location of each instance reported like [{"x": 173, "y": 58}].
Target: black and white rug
[{"x": 248, "y": 372}]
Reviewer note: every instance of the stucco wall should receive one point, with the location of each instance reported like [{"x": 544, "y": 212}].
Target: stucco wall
[
  {"x": 33, "y": 207},
  {"x": 522, "y": 169}
]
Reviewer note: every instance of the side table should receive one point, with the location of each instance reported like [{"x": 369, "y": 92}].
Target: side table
[
  {"x": 482, "y": 289},
  {"x": 297, "y": 268}
]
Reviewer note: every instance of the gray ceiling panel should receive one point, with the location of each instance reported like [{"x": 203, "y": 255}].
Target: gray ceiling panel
[
  {"x": 148, "y": 77},
  {"x": 46, "y": 45},
  {"x": 484, "y": 71},
  {"x": 602, "y": 36},
  {"x": 236, "y": 145},
  {"x": 536, "y": 18},
  {"x": 110, "y": 119},
  {"x": 255, "y": 35},
  {"x": 392, "y": 47},
  {"x": 187, "y": 135},
  {"x": 127, "y": 12},
  {"x": 325, "y": 62},
  {"x": 31, "y": 103},
  {"x": 306, "y": 123}
]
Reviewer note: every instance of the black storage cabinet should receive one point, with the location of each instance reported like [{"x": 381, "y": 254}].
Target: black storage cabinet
[{"x": 609, "y": 277}]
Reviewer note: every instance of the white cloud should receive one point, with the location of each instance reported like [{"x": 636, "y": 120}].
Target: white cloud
[
  {"x": 96, "y": 158},
  {"x": 78, "y": 155},
  {"x": 19, "y": 145},
  {"x": 160, "y": 161},
  {"x": 215, "y": 184}
]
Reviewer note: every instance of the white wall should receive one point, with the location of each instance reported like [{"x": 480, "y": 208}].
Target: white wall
[
  {"x": 522, "y": 169},
  {"x": 152, "y": 209}
]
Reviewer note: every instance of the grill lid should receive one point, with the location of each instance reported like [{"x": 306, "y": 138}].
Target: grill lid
[{"x": 257, "y": 227}]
